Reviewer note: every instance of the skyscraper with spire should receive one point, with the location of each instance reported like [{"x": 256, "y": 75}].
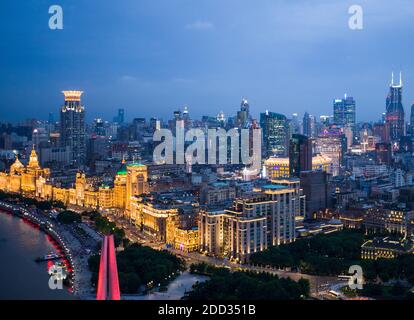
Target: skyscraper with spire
[{"x": 394, "y": 117}]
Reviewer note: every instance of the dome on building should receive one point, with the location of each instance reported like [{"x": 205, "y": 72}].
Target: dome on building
[
  {"x": 123, "y": 169},
  {"x": 16, "y": 166}
]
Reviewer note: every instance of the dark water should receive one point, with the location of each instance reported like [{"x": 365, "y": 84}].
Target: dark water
[{"x": 20, "y": 276}]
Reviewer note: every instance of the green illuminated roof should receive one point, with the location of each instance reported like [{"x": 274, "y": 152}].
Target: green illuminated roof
[{"x": 136, "y": 165}]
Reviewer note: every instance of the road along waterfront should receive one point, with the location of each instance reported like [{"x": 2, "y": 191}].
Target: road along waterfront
[{"x": 70, "y": 245}]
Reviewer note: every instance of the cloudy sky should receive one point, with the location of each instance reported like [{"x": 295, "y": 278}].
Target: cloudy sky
[{"x": 154, "y": 56}]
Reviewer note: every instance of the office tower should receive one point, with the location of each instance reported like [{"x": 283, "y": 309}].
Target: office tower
[
  {"x": 300, "y": 155},
  {"x": 313, "y": 126},
  {"x": 383, "y": 154},
  {"x": 51, "y": 118},
  {"x": 221, "y": 117},
  {"x": 315, "y": 189},
  {"x": 295, "y": 127},
  {"x": 406, "y": 144},
  {"x": 307, "y": 128},
  {"x": 325, "y": 120},
  {"x": 380, "y": 130},
  {"x": 186, "y": 118},
  {"x": 275, "y": 134},
  {"x": 138, "y": 128},
  {"x": 243, "y": 116},
  {"x": 332, "y": 143},
  {"x": 412, "y": 121},
  {"x": 344, "y": 113},
  {"x": 120, "y": 118},
  {"x": 394, "y": 117},
  {"x": 99, "y": 127},
  {"x": 72, "y": 126}
]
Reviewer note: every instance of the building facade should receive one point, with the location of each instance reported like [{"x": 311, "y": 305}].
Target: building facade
[{"x": 72, "y": 126}]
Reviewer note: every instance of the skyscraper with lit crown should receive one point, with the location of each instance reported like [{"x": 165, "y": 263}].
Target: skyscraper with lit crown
[
  {"x": 72, "y": 126},
  {"x": 394, "y": 117}
]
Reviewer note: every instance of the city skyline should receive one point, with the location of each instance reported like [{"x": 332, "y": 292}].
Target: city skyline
[
  {"x": 204, "y": 58},
  {"x": 188, "y": 151}
]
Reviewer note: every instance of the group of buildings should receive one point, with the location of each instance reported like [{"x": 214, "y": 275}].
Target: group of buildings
[{"x": 317, "y": 176}]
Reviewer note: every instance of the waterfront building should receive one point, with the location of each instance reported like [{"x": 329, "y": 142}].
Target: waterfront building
[
  {"x": 120, "y": 184},
  {"x": 33, "y": 181},
  {"x": 23, "y": 179},
  {"x": 136, "y": 182}
]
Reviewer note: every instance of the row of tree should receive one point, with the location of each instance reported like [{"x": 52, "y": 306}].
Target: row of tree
[
  {"x": 40, "y": 204},
  {"x": 333, "y": 254},
  {"x": 241, "y": 285},
  {"x": 323, "y": 254}
]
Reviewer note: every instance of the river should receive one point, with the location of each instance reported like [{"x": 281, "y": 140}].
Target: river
[{"x": 20, "y": 276}]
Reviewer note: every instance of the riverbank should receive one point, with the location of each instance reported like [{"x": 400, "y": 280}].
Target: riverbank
[{"x": 70, "y": 245}]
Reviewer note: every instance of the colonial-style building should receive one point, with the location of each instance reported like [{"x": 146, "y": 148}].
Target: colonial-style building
[
  {"x": 34, "y": 181},
  {"x": 27, "y": 180}
]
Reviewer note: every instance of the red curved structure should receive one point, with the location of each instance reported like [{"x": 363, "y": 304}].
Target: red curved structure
[{"x": 108, "y": 283}]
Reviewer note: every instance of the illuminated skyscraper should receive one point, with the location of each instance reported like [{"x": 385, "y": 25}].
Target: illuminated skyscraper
[
  {"x": 243, "y": 116},
  {"x": 72, "y": 126},
  {"x": 412, "y": 120},
  {"x": 394, "y": 117},
  {"x": 300, "y": 155},
  {"x": 275, "y": 134},
  {"x": 344, "y": 113},
  {"x": 332, "y": 144}
]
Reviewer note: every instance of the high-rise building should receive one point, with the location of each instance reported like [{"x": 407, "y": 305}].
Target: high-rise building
[
  {"x": 394, "y": 117},
  {"x": 406, "y": 144},
  {"x": 72, "y": 126},
  {"x": 315, "y": 189},
  {"x": 333, "y": 144},
  {"x": 99, "y": 127},
  {"x": 300, "y": 155},
  {"x": 383, "y": 153},
  {"x": 275, "y": 134},
  {"x": 307, "y": 127},
  {"x": 345, "y": 114},
  {"x": 412, "y": 121},
  {"x": 243, "y": 116},
  {"x": 120, "y": 118}
]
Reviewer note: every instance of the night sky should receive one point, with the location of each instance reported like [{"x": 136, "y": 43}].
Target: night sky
[{"x": 152, "y": 57}]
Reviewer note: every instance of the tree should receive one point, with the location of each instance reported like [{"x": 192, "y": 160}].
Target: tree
[{"x": 68, "y": 217}]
